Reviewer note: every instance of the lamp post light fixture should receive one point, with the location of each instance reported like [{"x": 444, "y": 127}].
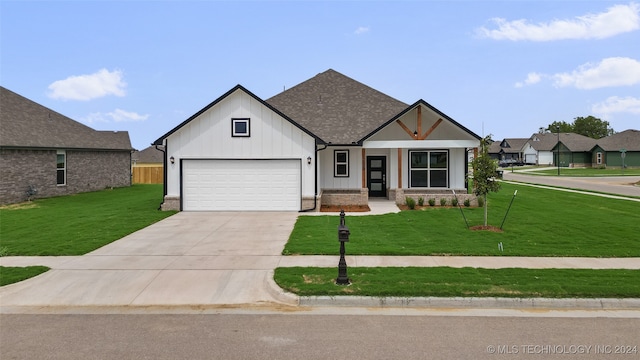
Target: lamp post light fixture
[{"x": 558, "y": 147}]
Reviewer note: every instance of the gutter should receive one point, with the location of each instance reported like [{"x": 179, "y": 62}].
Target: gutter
[
  {"x": 164, "y": 174},
  {"x": 315, "y": 196}
]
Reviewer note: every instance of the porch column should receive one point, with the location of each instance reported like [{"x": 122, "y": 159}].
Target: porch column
[
  {"x": 399, "y": 168},
  {"x": 364, "y": 166}
]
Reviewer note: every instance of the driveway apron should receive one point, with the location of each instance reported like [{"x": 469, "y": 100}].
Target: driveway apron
[{"x": 191, "y": 258}]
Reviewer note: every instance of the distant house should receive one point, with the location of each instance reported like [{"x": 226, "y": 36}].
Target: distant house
[
  {"x": 508, "y": 149},
  {"x": 608, "y": 151},
  {"x": 329, "y": 140},
  {"x": 45, "y": 154},
  {"x": 542, "y": 149},
  {"x": 147, "y": 166}
]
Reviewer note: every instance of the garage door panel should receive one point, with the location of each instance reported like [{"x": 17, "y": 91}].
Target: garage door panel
[{"x": 241, "y": 185}]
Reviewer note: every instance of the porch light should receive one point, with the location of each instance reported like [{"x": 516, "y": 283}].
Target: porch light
[
  {"x": 309, "y": 160},
  {"x": 172, "y": 159},
  {"x": 415, "y": 133}
]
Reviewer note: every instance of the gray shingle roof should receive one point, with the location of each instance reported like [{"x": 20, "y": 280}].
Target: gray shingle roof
[
  {"x": 337, "y": 108},
  {"x": 148, "y": 155},
  {"x": 628, "y": 139},
  {"x": 27, "y": 124},
  {"x": 574, "y": 142}
]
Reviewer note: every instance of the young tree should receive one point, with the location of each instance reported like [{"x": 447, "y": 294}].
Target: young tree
[{"x": 484, "y": 174}]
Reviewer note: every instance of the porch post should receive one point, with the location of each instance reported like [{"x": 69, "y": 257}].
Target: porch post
[
  {"x": 364, "y": 165},
  {"x": 399, "y": 168}
]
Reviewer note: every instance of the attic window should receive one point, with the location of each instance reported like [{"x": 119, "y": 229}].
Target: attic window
[{"x": 240, "y": 127}]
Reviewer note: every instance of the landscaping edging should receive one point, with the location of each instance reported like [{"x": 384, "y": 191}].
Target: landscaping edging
[{"x": 472, "y": 302}]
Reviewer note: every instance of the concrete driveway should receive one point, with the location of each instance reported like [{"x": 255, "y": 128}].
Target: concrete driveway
[{"x": 191, "y": 258}]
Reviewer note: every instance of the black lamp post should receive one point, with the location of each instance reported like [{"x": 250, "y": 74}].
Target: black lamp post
[
  {"x": 343, "y": 237},
  {"x": 558, "y": 146}
]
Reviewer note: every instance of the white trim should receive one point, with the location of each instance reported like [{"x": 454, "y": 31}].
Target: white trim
[{"x": 427, "y": 144}]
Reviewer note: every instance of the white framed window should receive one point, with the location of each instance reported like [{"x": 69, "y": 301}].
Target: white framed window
[
  {"x": 599, "y": 158},
  {"x": 61, "y": 167},
  {"x": 429, "y": 168},
  {"x": 341, "y": 163},
  {"x": 240, "y": 127}
]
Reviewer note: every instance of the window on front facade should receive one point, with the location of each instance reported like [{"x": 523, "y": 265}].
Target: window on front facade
[
  {"x": 341, "y": 163},
  {"x": 428, "y": 168},
  {"x": 240, "y": 127},
  {"x": 61, "y": 160},
  {"x": 599, "y": 158}
]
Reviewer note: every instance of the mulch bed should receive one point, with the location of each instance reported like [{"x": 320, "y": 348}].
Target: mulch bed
[
  {"x": 346, "y": 208},
  {"x": 486, "y": 228}
]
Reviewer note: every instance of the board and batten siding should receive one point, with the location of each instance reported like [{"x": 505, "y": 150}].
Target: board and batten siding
[{"x": 209, "y": 137}]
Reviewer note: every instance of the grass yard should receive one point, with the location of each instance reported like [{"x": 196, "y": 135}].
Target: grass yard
[
  {"x": 541, "y": 222},
  {"x": 78, "y": 224},
  {"x": 465, "y": 282},
  {"x": 10, "y": 275},
  {"x": 587, "y": 172}
]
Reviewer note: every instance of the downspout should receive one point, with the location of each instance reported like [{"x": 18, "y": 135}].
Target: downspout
[
  {"x": 164, "y": 175},
  {"x": 315, "y": 196}
]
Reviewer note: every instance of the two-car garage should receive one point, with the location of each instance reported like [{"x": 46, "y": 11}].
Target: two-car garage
[{"x": 241, "y": 184}]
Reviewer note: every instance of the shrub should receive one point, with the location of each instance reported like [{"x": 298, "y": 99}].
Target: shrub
[
  {"x": 480, "y": 201},
  {"x": 454, "y": 202},
  {"x": 411, "y": 203},
  {"x": 443, "y": 201},
  {"x": 467, "y": 202},
  {"x": 421, "y": 201},
  {"x": 432, "y": 202}
]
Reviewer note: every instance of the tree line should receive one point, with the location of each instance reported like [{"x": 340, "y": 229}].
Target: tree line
[{"x": 590, "y": 126}]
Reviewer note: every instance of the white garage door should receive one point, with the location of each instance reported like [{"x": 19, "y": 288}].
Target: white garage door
[{"x": 241, "y": 185}]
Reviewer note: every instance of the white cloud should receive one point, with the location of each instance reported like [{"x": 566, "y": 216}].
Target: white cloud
[
  {"x": 87, "y": 87},
  {"x": 616, "y": 20},
  {"x": 614, "y": 71},
  {"x": 532, "y": 78},
  {"x": 617, "y": 104},
  {"x": 118, "y": 115},
  {"x": 361, "y": 30}
]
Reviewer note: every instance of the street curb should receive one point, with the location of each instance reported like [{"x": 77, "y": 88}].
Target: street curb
[
  {"x": 472, "y": 302},
  {"x": 278, "y": 293}
]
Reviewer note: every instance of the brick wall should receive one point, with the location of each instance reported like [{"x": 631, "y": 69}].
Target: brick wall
[{"x": 86, "y": 171}]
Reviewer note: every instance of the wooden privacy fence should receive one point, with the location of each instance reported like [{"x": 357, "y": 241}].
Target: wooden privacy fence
[{"x": 148, "y": 175}]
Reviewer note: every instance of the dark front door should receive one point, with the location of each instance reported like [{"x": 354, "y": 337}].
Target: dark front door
[{"x": 377, "y": 176}]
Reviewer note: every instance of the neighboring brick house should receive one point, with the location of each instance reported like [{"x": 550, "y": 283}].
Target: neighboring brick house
[{"x": 45, "y": 154}]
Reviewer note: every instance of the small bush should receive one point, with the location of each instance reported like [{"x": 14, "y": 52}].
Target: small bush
[
  {"x": 467, "y": 202},
  {"x": 480, "y": 201},
  {"x": 411, "y": 203},
  {"x": 432, "y": 202},
  {"x": 421, "y": 201},
  {"x": 454, "y": 202},
  {"x": 443, "y": 201}
]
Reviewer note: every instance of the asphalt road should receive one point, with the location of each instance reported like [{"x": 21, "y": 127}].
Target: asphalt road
[
  {"x": 304, "y": 336},
  {"x": 620, "y": 185}
]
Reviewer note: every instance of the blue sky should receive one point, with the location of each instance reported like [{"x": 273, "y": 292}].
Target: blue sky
[{"x": 504, "y": 68}]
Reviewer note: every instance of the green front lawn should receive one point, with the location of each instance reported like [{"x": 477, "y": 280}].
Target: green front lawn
[
  {"x": 541, "y": 222},
  {"x": 465, "y": 282},
  {"x": 10, "y": 275},
  {"x": 78, "y": 224}
]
